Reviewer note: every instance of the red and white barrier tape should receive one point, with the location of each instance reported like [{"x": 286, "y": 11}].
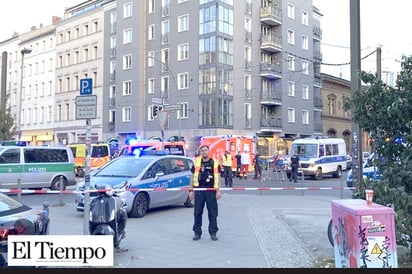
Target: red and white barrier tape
[{"x": 45, "y": 191}]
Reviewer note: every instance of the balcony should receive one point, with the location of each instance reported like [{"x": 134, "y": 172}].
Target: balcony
[
  {"x": 112, "y": 52},
  {"x": 271, "y": 71},
  {"x": 248, "y": 8},
  {"x": 271, "y": 16},
  {"x": 271, "y": 43},
  {"x": 165, "y": 11},
  {"x": 318, "y": 127},
  {"x": 248, "y": 93},
  {"x": 271, "y": 124},
  {"x": 248, "y": 37},
  {"x": 271, "y": 97},
  {"x": 317, "y": 83},
  {"x": 248, "y": 123},
  {"x": 317, "y": 33},
  {"x": 165, "y": 38}
]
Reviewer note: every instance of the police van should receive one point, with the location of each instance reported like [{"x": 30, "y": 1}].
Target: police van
[
  {"x": 319, "y": 156},
  {"x": 36, "y": 167}
]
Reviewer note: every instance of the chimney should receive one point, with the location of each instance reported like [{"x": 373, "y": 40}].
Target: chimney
[{"x": 56, "y": 20}]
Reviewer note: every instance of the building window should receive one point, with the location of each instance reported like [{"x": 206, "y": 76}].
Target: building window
[
  {"x": 127, "y": 61},
  {"x": 182, "y": 80},
  {"x": 305, "y": 117},
  {"x": 183, "y": 52},
  {"x": 183, "y": 23},
  {"x": 127, "y": 88},
  {"x": 248, "y": 115},
  {"x": 291, "y": 115},
  {"x": 305, "y": 67},
  {"x": 151, "y": 5},
  {"x": 332, "y": 104},
  {"x": 126, "y": 114},
  {"x": 127, "y": 36},
  {"x": 127, "y": 10},
  {"x": 150, "y": 58},
  {"x": 165, "y": 32},
  {"x": 291, "y": 11},
  {"x": 291, "y": 88},
  {"x": 305, "y": 18},
  {"x": 184, "y": 112},
  {"x": 151, "y": 32},
  {"x": 305, "y": 92},
  {"x": 291, "y": 37},
  {"x": 164, "y": 86},
  {"x": 150, "y": 85},
  {"x": 291, "y": 63},
  {"x": 305, "y": 42}
]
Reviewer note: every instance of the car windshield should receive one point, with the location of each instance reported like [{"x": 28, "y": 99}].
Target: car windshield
[
  {"x": 7, "y": 203},
  {"x": 124, "y": 167}
]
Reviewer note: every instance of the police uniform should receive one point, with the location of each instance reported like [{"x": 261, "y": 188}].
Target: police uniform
[{"x": 205, "y": 175}]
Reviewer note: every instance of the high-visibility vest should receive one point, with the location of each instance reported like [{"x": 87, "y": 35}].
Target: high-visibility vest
[
  {"x": 198, "y": 163},
  {"x": 227, "y": 160}
]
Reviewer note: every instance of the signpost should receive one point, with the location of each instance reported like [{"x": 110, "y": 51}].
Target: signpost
[{"x": 86, "y": 108}]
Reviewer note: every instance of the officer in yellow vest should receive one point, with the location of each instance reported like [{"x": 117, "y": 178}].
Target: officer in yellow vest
[
  {"x": 227, "y": 168},
  {"x": 205, "y": 175}
]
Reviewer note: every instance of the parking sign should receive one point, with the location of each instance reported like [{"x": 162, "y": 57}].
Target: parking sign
[{"x": 86, "y": 85}]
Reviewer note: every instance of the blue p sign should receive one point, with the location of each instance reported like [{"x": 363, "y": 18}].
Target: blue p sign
[{"x": 86, "y": 85}]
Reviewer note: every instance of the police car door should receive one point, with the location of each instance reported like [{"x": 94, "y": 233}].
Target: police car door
[{"x": 160, "y": 195}]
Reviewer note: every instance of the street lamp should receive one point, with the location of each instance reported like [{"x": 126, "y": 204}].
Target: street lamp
[{"x": 23, "y": 52}]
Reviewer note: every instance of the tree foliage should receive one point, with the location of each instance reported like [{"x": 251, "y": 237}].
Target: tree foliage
[
  {"x": 385, "y": 112},
  {"x": 7, "y": 124}
]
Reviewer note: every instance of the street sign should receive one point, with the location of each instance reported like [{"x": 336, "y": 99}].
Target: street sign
[
  {"x": 173, "y": 107},
  {"x": 86, "y": 86},
  {"x": 157, "y": 101},
  {"x": 86, "y": 107}
]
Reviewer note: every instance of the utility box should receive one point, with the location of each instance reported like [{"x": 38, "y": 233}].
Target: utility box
[{"x": 364, "y": 235}]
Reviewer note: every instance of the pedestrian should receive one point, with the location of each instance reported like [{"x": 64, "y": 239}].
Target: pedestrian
[
  {"x": 258, "y": 165},
  {"x": 295, "y": 166},
  {"x": 205, "y": 175},
  {"x": 238, "y": 163},
  {"x": 245, "y": 162},
  {"x": 278, "y": 167},
  {"x": 227, "y": 169}
]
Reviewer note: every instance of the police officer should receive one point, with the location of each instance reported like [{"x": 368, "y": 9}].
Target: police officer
[
  {"x": 227, "y": 168},
  {"x": 295, "y": 166},
  {"x": 205, "y": 175}
]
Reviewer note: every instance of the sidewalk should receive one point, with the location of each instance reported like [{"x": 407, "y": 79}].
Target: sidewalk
[{"x": 255, "y": 231}]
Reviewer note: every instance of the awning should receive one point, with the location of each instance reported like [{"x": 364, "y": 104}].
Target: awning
[
  {"x": 44, "y": 138},
  {"x": 26, "y": 138}
]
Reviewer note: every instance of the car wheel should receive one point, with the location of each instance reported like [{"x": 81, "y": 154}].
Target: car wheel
[
  {"x": 338, "y": 173},
  {"x": 189, "y": 203},
  {"x": 56, "y": 184},
  {"x": 140, "y": 205},
  {"x": 318, "y": 174}
]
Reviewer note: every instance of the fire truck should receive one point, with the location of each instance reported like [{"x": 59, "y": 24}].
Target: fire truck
[{"x": 218, "y": 144}]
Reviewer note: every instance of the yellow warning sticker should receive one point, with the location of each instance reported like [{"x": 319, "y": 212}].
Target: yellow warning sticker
[{"x": 376, "y": 249}]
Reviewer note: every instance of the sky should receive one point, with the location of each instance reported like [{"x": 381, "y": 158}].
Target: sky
[{"x": 383, "y": 23}]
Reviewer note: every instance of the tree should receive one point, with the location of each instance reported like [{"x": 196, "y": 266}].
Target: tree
[
  {"x": 7, "y": 123},
  {"x": 386, "y": 113}
]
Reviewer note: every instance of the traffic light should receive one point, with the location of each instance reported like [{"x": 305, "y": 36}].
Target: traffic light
[{"x": 155, "y": 110}]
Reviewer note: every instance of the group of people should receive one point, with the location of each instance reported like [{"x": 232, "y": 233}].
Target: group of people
[{"x": 206, "y": 176}]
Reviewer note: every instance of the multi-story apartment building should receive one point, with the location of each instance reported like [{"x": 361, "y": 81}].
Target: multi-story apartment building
[
  {"x": 220, "y": 66},
  {"x": 33, "y": 80}
]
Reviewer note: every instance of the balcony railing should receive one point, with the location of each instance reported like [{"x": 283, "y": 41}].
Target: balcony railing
[
  {"x": 271, "y": 122},
  {"x": 271, "y": 42},
  {"x": 271, "y": 97},
  {"x": 271, "y": 16},
  {"x": 272, "y": 71}
]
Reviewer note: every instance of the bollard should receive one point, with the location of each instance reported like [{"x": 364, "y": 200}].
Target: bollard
[
  {"x": 19, "y": 189},
  {"x": 61, "y": 203}
]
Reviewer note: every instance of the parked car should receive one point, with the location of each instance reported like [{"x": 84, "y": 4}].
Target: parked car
[
  {"x": 19, "y": 219},
  {"x": 348, "y": 162},
  {"x": 136, "y": 179},
  {"x": 369, "y": 170}
]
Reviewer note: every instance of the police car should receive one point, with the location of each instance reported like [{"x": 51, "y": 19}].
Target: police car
[
  {"x": 369, "y": 170},
  {"x": 143, "y": 181}
]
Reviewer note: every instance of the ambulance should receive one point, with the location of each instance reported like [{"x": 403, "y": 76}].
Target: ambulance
[{"x": 218, "y": 144}]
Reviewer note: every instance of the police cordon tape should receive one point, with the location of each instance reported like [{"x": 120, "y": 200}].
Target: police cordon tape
[{"x": 45, "y": 191}]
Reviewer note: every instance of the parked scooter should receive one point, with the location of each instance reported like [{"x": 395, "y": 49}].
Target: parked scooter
[{"x": 108, "y": 215}]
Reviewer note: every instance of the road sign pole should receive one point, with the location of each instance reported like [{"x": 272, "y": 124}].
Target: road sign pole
[{"x": 86, "y": 212}]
